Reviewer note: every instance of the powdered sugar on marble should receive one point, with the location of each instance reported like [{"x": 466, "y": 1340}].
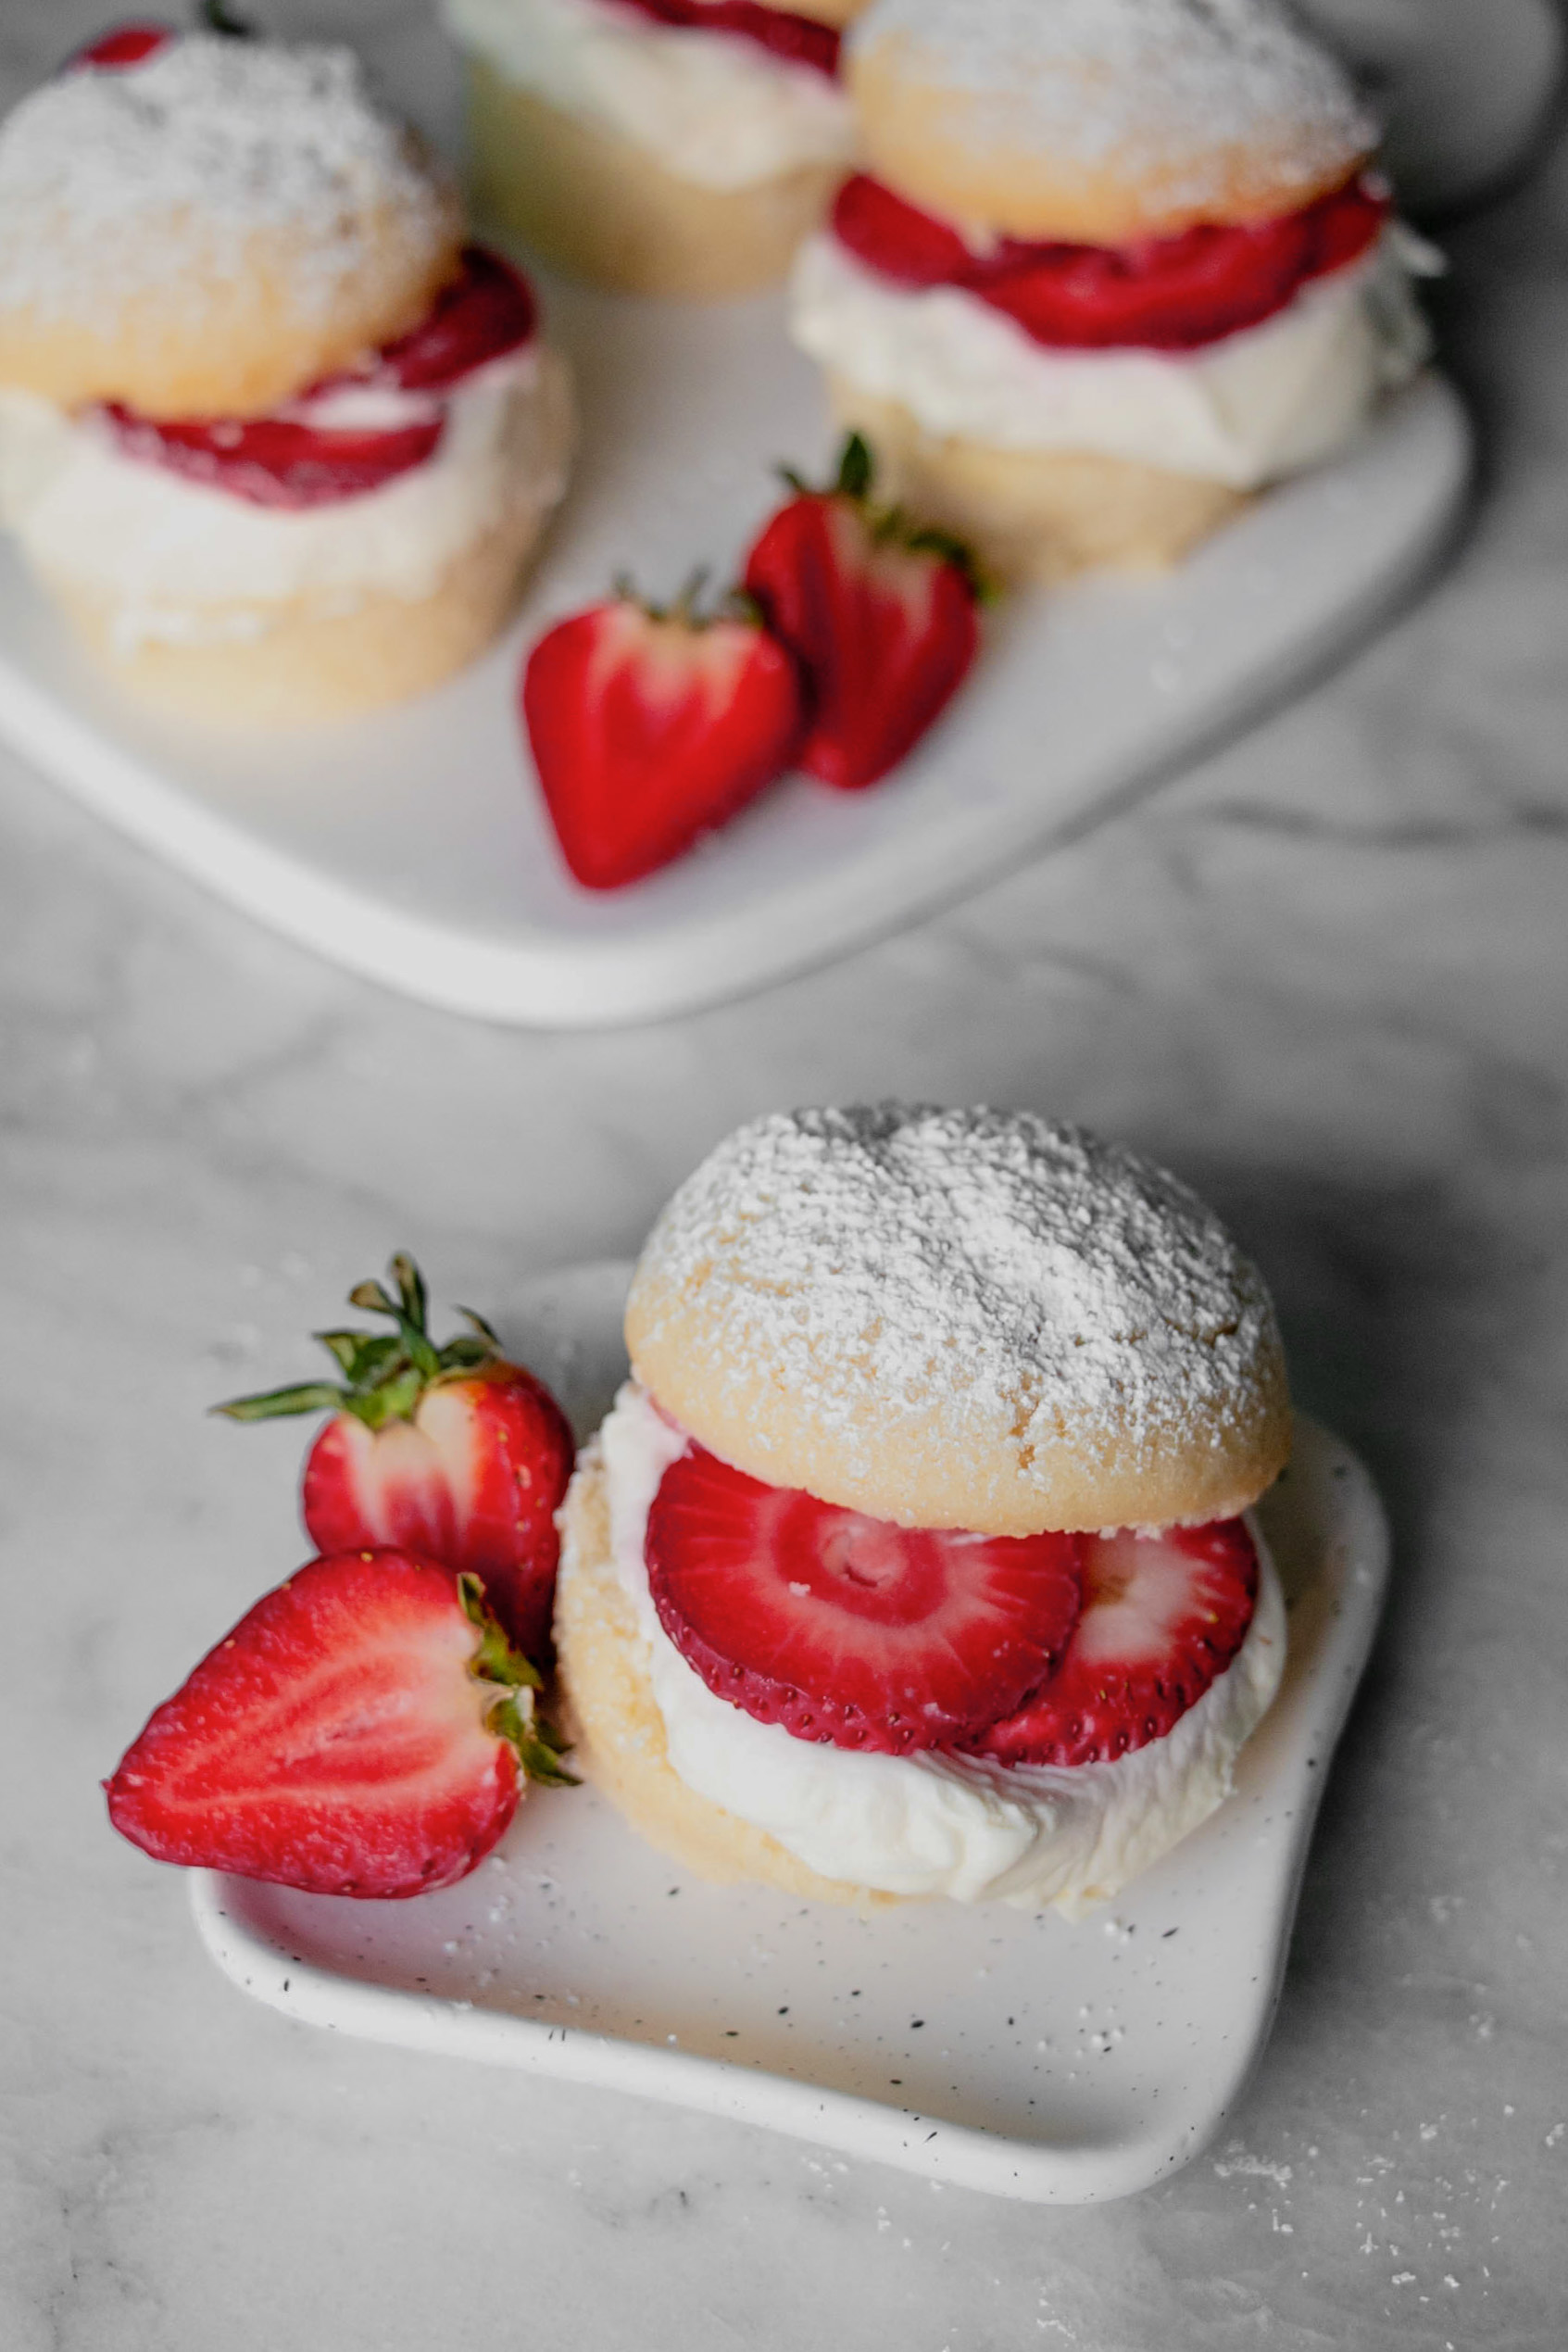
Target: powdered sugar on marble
[
  {"x": 111, "y": 181},
  {"x": 968, "y": 1259},
  {"x": 1168, "y": 84}
]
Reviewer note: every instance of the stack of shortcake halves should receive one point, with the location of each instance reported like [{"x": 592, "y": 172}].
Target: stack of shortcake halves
[
  {"x": 277, "y": 441},
  {"x": 1109, "y": 266}
]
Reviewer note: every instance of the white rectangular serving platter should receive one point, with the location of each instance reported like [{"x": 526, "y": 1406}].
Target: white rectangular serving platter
[
  {"x": 412, "y": 846},
  {"x": 1015, "y": 2053}
]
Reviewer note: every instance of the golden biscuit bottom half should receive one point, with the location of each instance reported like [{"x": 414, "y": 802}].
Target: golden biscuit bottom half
[
  {"x": 302, "y": 665},
  {"x": 1040, "y": 515}
]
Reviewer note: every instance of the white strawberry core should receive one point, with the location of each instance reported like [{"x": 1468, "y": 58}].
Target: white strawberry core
[
  {"x": 936, "y": 1824},
  {"x": 1134, "y": 1597}
]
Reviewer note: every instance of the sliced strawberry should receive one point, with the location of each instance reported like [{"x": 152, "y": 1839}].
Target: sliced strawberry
[
  {"x": 1161, "y": 293},
  {"x": 798, "y": 40},
  {"x": 123, "y": 45},
  {"x": 487, "y": 313},
  {"x": 649, "y": 728},
  {"x": 881, "y": 616},
  {"x": 361, "y": 1732},
  {"x": 301, "y": 458},
  {"x": 847, "y": 1629},
  {"x": 896, "y": 238},
  {"x": 1162, "y": 1616},
  {"x": 450, "y": 1452},
  {"x": 277, "y": 461}
]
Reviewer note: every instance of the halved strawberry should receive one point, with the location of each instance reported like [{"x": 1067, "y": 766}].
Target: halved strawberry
[
  {"x": 450, "y": 1452},
  {"x": 361, "y": 1732},
  {"x": 649, "y": 727},
  {"x": 847, "y": 1629},
  {"x": 123, "y": 45},
  {"x": 1162, "y": 1616},
  {"x": 879, "y": 612}
]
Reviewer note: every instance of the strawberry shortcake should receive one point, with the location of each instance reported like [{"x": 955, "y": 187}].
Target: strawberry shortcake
[
  {"x": 657, "y": 146},
  {"x": 1111, "y": 266},
  {"x": 272, "y": 435},
  {"x": 914, "y": 1560}
]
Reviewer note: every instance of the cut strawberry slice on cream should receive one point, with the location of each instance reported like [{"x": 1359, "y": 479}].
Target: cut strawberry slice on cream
[
  {"x": 796, "y": 40},
  {"x": 331, "y": 444},
  {"x": 482, "y": 315},
  {"x": 846, "y": 1629},
  {"x": 1163, "y": 294},
  {"x": 1163, "y": 1616}
]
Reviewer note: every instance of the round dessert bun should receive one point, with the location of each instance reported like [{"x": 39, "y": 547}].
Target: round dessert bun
[
  {"x": 600, "y": 209},
  {"x": 972, "y": 1319},
  {"x": 1034, "y": 515},
  {"x": 617, "y": 1731},
  {"x": 1102, "y": 122},
  {"x": 211, "y": 230}
]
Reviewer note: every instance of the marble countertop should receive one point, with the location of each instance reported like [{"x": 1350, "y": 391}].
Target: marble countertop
[{"x": 1324, "y": 974}]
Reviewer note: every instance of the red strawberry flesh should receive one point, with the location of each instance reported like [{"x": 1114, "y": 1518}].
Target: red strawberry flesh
[
  {"x": 649, "y": 731},
  {"x": 451, "y": 1450},
  {"x": 297, "y": 461},
  {"x": 473, "y": 1481},
  {"x": 487, "y": 313},
  {"x": 335, "y": 1741},
  {"x": 1162, "y": 294},
  {"x": 884, "y": 629},
  {"x": 796, "y": 40},
  {"x": 124, "y": 45},
  {"x": 847, "y": 1629},
  {"x": 1163, "y": 1616}
]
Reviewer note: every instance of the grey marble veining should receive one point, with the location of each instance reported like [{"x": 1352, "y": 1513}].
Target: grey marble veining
[{"x": 1325, "y": 975}]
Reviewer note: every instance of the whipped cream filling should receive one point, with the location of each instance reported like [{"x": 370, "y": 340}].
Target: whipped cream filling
[
  {"x": 713, "y": 108},
  {"x": 932, "y": 1824},
  {"x": 1248, "y": 409},
  {"x": 180, "y": 561}
]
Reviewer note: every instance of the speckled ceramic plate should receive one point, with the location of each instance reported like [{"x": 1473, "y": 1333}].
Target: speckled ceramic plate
[{"x": 1013, "y": 2053}]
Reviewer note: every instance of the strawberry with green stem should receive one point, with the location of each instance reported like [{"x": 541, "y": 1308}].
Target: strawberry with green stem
[
  {"x": 453, "y": 1452},
  {"x": 878, "y": 611},
  {"x": 651, "y": 725},
  {"x": 365, "y": 1730}
]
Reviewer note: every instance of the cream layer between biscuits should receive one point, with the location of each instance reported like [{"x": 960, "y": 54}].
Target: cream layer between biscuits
[
  {"x": 1243, "y": 411},
  {"x": 179, "y": 562}
]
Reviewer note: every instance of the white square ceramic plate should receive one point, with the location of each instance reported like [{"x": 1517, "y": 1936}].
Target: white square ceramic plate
[{"x": 1009, "y": 2052}]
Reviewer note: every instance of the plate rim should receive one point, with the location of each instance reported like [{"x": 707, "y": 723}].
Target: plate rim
[{"x": 1356, "y": 1574}]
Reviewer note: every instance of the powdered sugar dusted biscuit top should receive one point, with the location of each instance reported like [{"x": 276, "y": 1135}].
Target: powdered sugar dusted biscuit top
[
  {"x": 962, "y": 1318},
  {"x": 209, "y": 231},
  {"x": 1103, "y": 119}
]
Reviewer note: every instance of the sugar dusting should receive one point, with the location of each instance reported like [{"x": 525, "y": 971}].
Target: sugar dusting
[
  {"x": 110, "y": 182},
  {"x": 984, "y": 1262},
  {"x": 1169, "y": 85}
]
